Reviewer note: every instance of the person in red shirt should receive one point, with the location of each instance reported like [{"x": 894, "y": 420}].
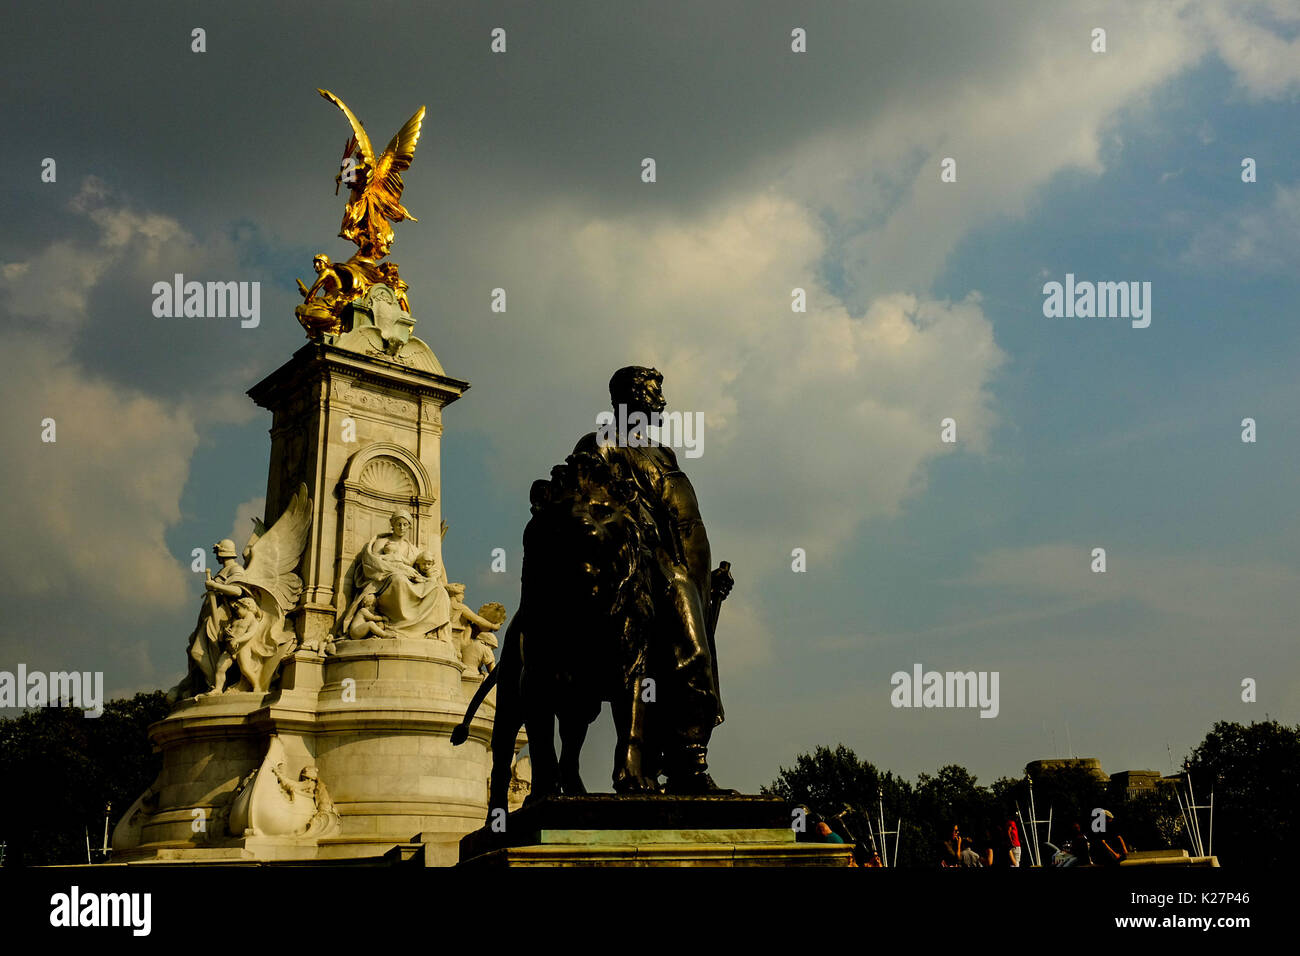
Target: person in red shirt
[{"x": 1013, "y": 839}]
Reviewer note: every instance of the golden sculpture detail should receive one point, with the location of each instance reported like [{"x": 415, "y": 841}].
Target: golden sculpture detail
[
  {"x": 337, "y": 284},
  {"x": 375, "y": 183},
  {"x": 391, "y": 279}
]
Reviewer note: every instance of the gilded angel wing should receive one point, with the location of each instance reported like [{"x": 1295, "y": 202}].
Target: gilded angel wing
[
  {"x": 363, "y": 141},
  {"x": 397, "y": 156},
  {"x": 276, "y": 553}
]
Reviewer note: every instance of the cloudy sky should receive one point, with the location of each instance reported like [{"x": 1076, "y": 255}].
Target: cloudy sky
[{"x": 775, "y": 170}]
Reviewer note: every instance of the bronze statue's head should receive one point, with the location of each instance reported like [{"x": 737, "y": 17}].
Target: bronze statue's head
[
  {"x": 320, "y": 262},
  {"x": 640, "y": 389},
  {"x": 225, "y": 548}
]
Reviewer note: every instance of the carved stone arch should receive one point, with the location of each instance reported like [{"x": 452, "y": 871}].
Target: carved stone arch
[
  {"x": 373, "y": 453},
  {"x": 378, "y": 480},
  {"x": 388, "y": 477}
]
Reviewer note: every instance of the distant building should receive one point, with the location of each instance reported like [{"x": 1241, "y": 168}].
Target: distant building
[
  {"x": 1130, "y": 783},
  {"x": 1120, "y": 786},
  {"x": 1091, "y": 764}
]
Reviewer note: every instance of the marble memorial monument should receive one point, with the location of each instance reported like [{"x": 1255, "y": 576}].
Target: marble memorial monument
[{"x": 327, "y": 669}]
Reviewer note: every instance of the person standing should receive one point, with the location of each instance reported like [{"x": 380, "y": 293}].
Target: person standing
[{"x": 1013, "y": 842}]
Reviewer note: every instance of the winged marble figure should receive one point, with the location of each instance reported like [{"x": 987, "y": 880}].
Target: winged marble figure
[{"x": 241, "y": 621}]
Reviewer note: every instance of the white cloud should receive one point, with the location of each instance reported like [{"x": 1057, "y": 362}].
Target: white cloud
[
  {"x": 54, "y": 286},
  {"x": 816, "y": 422},
  {"x": 1257, "y": 240},
  {"x": 87, "y": 514},
  {"x": 812, "y": 421},
  {"x": 89, "y": 509},
  {"x": 1010, "y": 123},
  {"x": 1266, "y": 64},
  {"x": 243, "y": 526}
]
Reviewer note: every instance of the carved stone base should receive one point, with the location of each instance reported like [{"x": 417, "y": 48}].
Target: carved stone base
[{"x": 374, "y": 719}]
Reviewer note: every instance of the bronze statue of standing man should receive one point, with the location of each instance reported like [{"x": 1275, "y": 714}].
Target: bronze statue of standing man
[{"x": 688, "y": 705}]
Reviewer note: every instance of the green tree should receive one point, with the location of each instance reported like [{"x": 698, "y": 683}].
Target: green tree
[
  {"x": 952, "y": 797},
  {"x": 1153, "y": 821},
  {"x": 61, "y": 769},
  {"x": 1255, "y": 774},
  {"x": 828, "y": 782},
  {"x": 1253, "y": 770}
]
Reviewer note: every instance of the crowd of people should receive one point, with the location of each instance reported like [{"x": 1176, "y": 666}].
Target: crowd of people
[{"x": 1003, "y": 846}]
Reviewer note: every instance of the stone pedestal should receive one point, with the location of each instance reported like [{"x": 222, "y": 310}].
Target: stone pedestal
[
  {"x": 384, "y": 719},
  {"x": 363, "y": 432},
  {"x": 377, "y": 730},
  {"x": 656, "y": 830}
]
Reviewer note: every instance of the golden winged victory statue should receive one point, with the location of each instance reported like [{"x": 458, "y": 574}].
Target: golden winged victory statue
[{"x": 375, "y": 186}]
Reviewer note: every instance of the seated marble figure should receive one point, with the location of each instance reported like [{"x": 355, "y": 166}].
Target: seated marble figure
[{"x": 401, "y": 584}]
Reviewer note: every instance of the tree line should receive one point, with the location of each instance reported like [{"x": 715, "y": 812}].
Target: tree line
[{"x": 1254, "y": 771}]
